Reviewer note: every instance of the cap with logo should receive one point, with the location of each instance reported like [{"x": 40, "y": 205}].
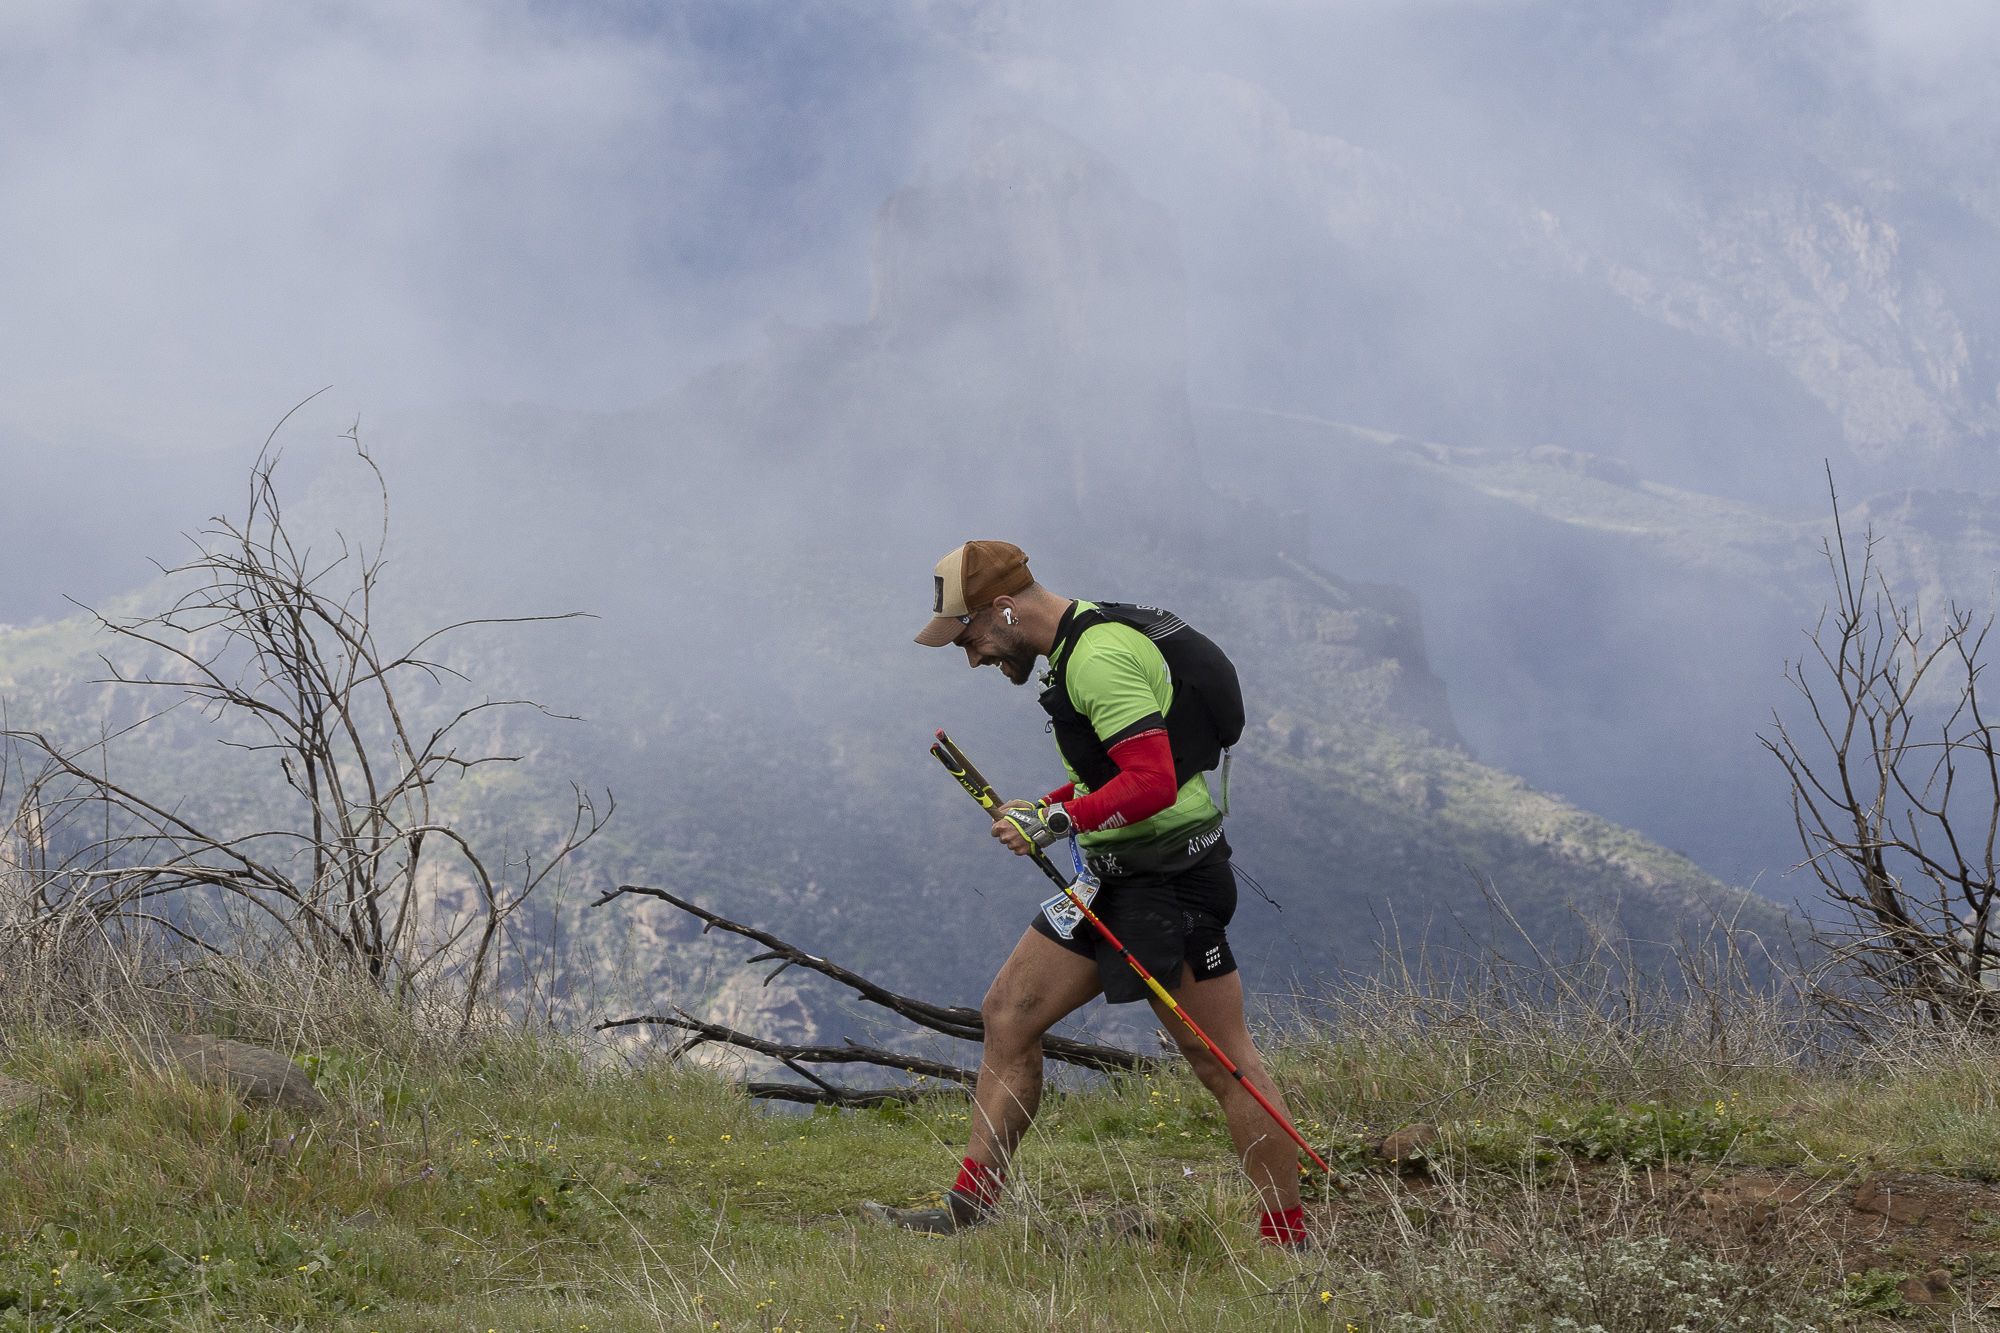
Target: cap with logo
[{"x": 969, "y": 578}]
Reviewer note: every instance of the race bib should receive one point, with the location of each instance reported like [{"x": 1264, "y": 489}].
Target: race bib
[{"x": 1062, "y": 914}]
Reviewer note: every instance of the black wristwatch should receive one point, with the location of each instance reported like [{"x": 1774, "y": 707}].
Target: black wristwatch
[{"x": 1058, "y": 821}]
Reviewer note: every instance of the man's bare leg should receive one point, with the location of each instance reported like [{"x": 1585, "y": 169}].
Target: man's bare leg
[
  {"x": 1039, "y": 985},
  {"x": 1267, "y": 1153}
]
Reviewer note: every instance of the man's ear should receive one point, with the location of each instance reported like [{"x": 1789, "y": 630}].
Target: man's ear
[{"x": 1004, "y": 608}]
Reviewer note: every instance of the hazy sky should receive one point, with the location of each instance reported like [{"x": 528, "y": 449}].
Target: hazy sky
[
  {"x": 207, "y": 202},
  {"x": 213, "y": 208}
]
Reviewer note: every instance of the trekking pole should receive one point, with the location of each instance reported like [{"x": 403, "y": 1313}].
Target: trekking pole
[{"x": 970, "y": 778}]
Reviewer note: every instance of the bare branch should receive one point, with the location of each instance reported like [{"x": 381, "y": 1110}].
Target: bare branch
[
  {"x": 952, "y": 1021},
  {"x": 1881, "y": 803},
  {"x": 275, "y": 639},
  {"x": 849, "y": 1054}
]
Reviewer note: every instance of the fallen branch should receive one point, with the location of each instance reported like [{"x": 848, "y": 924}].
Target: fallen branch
[
  {"x": 832, "y": 1096},
  {"x": 850, "y": 1053},
  {"x": 952, "y": 1021}
]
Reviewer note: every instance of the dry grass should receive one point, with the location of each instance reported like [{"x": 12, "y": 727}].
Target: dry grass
[{"x": 1588, "y": 1118}]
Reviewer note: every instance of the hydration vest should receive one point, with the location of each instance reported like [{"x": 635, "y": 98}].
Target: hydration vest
[{"x": 1204, "y": 719}]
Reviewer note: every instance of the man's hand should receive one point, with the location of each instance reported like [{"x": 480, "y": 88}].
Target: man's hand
[
  {"x": 1026, "y": 827},
  {"x": 1009, "y": 835}
]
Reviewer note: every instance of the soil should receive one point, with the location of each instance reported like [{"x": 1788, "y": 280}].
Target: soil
[{"x": 1939, "y": 1234}]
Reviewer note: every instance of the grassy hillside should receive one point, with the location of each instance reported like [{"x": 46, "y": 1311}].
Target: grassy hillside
[{"x": 1629, "y": 1175}]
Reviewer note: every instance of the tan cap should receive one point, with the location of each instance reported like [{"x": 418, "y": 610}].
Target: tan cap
[{"x": 968, "y": 578}]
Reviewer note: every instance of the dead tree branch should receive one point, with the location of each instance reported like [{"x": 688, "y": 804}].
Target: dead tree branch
[
  {"x": 849, "y": 1053},
  {"x": 951, "y": 1021},
  {"x": 1895, "y": 792},
  {"x": 277, "y": 645},
  {"x": 828, "y": 1095},
  {"x": 961, "y": 1023}
]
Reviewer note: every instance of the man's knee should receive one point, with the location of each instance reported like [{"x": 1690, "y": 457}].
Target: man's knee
[
  {"x": 1040, "y": 983},
  {"x": 1224, "y": 1022},
  {"x": 1012, "y": 1017},
  {"x": 1209, "y": 1070}
]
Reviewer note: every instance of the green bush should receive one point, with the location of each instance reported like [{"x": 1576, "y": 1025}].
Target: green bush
[{"x": 1650, "y": 1133}]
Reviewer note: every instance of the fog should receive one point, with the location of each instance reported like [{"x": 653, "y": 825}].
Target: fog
[
  {"x": 210, "y": 207},
  {"x": 1716, "y": 243}
]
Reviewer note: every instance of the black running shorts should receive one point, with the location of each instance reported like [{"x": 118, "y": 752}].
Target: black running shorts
[{"x": 1165, "y": 919}]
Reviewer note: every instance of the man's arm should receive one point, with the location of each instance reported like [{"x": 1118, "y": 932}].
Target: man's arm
[{"x": 1144, "y": 786}]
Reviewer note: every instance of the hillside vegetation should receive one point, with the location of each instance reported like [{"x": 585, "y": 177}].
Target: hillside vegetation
[{"x": 1673, "y": 1167}]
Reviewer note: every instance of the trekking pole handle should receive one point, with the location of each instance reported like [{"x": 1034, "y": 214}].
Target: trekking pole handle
[
  {"x": 947, "y": 753},
  {"x": 969, "y": 777}
]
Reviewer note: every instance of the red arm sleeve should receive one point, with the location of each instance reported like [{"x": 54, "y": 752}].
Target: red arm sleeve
[
  {"x": 1144, "y": 786},
  {"x": 1061, "y": 794}
]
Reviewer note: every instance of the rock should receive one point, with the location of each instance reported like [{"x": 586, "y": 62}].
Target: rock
[
  {"x": 15, "y": 1094},
  {"x": 1132, "y": 1223},
  {"x": 1933, "y": 1288},
  {"x": 1745, "y": 1212},
  {"x": 1876, "y": 1196},
  {"x": 1408, "y": 1148},
  {"x": 251, "y": 1072}
]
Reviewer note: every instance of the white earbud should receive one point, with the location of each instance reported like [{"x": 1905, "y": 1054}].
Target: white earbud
[{"x": 1006, "y": 615}]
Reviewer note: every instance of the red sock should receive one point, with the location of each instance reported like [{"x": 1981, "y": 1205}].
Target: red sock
[
  {"x": 1285, "y": 1226},
  {"x": 979, "y": 1182}
]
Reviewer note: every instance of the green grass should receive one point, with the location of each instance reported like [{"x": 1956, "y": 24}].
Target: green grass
[
  {"x": 523, "y": 1179},
  {"x": 1496, "y": 1096},
  {"x": 512, "y": 1183},
  {"x": 518, "y": 1188}
]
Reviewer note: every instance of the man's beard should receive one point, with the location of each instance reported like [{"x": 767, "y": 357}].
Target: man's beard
[{"x": 1017, "y": 660}]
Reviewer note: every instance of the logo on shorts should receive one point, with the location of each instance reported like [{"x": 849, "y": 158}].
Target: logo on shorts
[
  {"x": 1196, "y": 846},
  {"x": 1213, "y": 958}
]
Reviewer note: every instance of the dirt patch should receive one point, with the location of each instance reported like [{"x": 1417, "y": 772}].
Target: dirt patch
[
  {"x": 1940, "y": 1233},
  {"x": 1919, "y": 1224}
]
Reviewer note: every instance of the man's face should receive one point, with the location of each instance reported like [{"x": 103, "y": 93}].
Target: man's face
[{"x": 989, "y": 639}]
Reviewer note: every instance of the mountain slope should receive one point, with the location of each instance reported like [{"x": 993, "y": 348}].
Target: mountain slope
[
  {"x": 1610, "y": 637},
  {"x": 756, "y": 546}
]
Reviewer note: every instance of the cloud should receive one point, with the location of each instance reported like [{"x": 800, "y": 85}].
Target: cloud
[
  {"x": 215, "y": 208},
  {"x": 209, "y": 202},
  {"x": 1440, "y": 217},
  {"x": 1936, "y": 61}
]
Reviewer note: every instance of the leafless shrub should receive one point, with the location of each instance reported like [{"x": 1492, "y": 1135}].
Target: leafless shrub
[
  {"x": 276, "y": 645},
  {"x": 1895, "y": 788}
]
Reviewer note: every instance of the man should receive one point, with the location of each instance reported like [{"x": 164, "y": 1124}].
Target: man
[{"x": 1167, "y": 888}]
